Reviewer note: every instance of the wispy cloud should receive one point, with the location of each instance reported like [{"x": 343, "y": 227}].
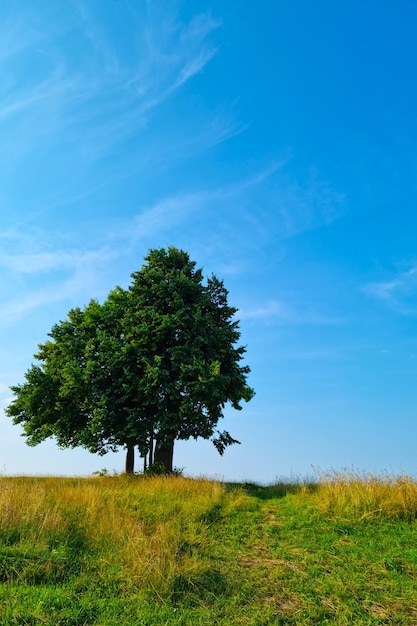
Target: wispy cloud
[
  {"x": 399, "y": 292},
  {"x": 172, "y": 211},
  {"x": 35, "y": 250},
  {"x": 179, "y": 51},
  {"x": 167, "y": 56},
  {"x": 286, "y": 312},
  {"x": 82, "y": 283},
  {"x": 203, "y": 136},
  {"x": 51, "y": 261},
  {"x": 235, "y": 205},
  {"x": 307, "y": 204},
  {"x": 18, "y": 34},
  {"x": 117, "y": 88},
  {"x": 79, "y": 106},
  {"x": 39, "y": 269},
  {"x": 167, "y": 213},
  {"x": 272, "y": 310}
]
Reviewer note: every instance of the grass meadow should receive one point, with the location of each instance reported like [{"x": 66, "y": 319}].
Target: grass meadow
[{"x": 142, "y": 551}]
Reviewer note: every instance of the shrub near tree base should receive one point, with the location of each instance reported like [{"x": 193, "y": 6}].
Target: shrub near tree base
[{"x": 152, "y": 364}]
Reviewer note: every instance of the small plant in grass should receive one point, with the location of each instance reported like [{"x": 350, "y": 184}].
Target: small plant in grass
[
  {"x": 102, "y": 472},
  {"x": 158, "y": 469},
  {"x": 155, "y": 469}
]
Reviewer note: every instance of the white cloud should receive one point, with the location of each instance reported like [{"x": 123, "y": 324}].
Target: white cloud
[
  {"x": 78, "y": 284},
  {"x": 117, "y": 90},
  {"x": 278, "y": 311},
  {"x": 192, "y": 67},
  {"x": 47, "y": 277},
  {"x": 165, "y": 214},
  {"x": 17, "y": 35},
  {"x": 307, "y": 205},
  {"x": 398, "y": 292},
  {"x": 202, "y": 136},
  {"x": 173, "y": 210},
  {"x": 270, "y": 310},
  {"x": 220, "y": 210},
  {"x": 51, "y": 261}
]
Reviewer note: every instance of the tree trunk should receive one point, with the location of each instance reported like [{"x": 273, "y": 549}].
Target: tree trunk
[
  {"x": 151, "y": 450},
  {"x": 130, "y": 460},
  {"x": 165, "y": 456}
]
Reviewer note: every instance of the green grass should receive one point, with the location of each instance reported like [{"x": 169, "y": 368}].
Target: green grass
[{"x": 158, "y": 551}]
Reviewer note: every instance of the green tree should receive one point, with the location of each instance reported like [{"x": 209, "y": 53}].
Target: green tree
[{"x": 153, "y": 364}]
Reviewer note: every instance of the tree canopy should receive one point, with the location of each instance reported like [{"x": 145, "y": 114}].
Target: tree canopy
[{"x": 154, "y": 363}]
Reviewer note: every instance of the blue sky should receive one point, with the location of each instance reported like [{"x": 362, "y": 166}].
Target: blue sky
[{"x": 276, "y": 143}]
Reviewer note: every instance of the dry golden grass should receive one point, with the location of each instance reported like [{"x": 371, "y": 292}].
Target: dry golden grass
[
  {"x": 144, "y": 529},
  {"x": 170, "y": 550},
  {"x": 363, "y": 495}
]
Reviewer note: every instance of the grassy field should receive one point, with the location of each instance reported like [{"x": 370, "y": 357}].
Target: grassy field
[{"x": 157, "y": 551}]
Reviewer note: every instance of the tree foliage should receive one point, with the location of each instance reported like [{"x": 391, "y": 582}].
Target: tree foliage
[{"x": 154, "y": 363}]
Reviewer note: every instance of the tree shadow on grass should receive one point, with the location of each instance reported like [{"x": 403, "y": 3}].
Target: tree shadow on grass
[
  {"x": 200, "y": 588},
  {"x": 275, "y": 491},
  {"x": 56, "y": 559}
]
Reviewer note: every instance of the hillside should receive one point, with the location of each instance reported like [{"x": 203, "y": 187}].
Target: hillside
[{"x": 150, "y": 551}]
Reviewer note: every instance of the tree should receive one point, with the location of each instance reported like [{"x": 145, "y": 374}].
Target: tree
[{"x": 154, "y": 363}]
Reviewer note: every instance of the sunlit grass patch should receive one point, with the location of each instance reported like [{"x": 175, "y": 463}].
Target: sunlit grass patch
[
  {"x": 365, "y": 495},
  {"x": 117, "y": 550},
  {"x": 143, "y": 531}
]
